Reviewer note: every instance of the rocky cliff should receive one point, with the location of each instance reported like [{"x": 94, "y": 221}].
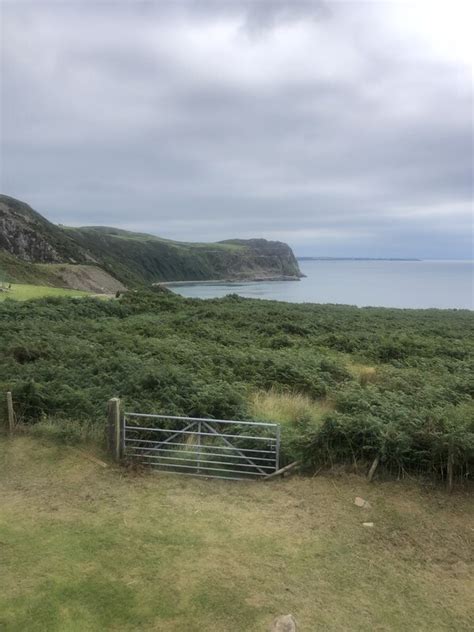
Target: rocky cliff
[{"x": 30, "y": 237}]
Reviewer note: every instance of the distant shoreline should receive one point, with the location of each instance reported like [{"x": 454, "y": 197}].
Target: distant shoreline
[
  {"x": 227, "y": 281},
  {"x": 355, "y": 259}
]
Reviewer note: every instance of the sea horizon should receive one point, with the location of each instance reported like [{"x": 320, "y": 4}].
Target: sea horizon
[{"x": 403, "y": 284}]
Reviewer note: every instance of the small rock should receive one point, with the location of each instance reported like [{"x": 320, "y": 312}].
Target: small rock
[
  {"x": 360, "y": 502},
  {"x": 368, "y": 524},
  {"x": 460, "y": 569},
  {"x": 284, "y": 623}
]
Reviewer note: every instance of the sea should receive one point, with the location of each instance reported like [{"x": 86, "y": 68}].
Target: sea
[{"x": 377, "y": 283}]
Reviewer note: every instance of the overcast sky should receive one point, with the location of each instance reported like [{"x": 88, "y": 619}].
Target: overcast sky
[{"x": 342, "y": 128}]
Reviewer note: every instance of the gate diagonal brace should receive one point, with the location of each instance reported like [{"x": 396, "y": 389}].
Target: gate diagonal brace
[
  {"x": 254, "y": 465},
  {"x": 176, "y": 434},
  {"x": 158, "y": 444}
]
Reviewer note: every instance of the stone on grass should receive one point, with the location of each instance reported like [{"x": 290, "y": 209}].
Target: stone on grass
[
  {"x": 284, "y": 623},
  {"x": 360, "y": 502}
]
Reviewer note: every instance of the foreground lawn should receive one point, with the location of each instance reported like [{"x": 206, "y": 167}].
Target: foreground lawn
[
  {"x": 23, "y": 292},
  {"x": 89, "y": 548}
]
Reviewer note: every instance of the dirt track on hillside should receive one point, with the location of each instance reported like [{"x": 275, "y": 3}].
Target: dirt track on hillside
[{"x": 88, "y": 278}]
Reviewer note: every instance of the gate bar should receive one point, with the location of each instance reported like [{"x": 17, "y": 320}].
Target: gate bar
[
  {"x": 204, "y": 434},
  {"x": 219, "y": 421},
  {"x": 207, "y": 447},
  {"x": 177, "y": 458},
  {"x": 212, "y": 469},
  {"x": 228, "y": 456}
]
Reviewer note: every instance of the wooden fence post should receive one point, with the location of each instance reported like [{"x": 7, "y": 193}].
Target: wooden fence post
[
  {"x": 11, "y": 414},
  {"x": 449, "y": 469},
  {"x": 114, "y": 429},
  {"x": 373, "y": 467}
]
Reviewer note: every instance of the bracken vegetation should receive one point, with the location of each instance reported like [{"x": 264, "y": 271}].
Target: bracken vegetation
[{"x": 348, "y": 384}]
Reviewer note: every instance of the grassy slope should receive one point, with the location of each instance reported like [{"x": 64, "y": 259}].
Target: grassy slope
[
  {"x": 135, "y": 258},
  {"x": 56, "y": 275},
  {"x": 14, "y": 269},
  {"x": 87, "y": 548}
]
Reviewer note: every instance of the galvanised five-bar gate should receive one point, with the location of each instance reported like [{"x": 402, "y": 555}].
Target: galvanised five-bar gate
[{"x": 214, "y": 448}]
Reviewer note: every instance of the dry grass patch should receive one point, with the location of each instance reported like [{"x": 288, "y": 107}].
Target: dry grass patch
[
  {"x": 365, "y": 374},
  {"x": 287, "y": 407},
  {"x": 90, "y": 548}
]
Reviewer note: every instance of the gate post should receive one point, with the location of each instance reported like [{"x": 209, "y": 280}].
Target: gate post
[
  {"x": 114, "y": 442},
  {"x": 11, "y": 414},
  {"x": 277, "y": 448},
  {"x": 199, "y": 447}
]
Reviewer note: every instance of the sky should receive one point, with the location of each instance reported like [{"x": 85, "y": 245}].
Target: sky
[{"x": 341, "y": 128}]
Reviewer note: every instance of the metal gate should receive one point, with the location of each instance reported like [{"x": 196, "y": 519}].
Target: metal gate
[{"x": 216, "y": 448}]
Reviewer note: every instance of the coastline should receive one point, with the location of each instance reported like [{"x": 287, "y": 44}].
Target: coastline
[
  {"x": 390, "y": 284},
  {"x": 259, "y": 279},
  {"x": 355, "y": 259}
]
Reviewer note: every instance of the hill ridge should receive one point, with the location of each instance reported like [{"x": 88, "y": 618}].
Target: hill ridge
[{"x": 132, "y": 258}]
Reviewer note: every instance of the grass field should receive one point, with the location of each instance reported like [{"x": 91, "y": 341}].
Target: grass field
[
  {"x": 23, "y": 292},
  {"x": 86, "y": 548}
]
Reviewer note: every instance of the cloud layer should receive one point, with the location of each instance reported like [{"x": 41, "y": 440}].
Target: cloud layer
[{"x": 342, "y": 128}]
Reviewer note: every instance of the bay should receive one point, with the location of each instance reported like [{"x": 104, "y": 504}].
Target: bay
[{"x": 404, "y": 284}]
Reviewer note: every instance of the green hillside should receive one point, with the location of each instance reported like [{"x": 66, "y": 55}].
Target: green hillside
[
  {"x": 134, "y": 259},
  {"x": 14, "y": 269}
]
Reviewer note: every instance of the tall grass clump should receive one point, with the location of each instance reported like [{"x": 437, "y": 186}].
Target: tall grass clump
[
  {"x": 363, "y": 373},
  {"x": 298, "y": 414},
  {"x": 287, "y": 407},
  {"x": 68, "y": 431}
]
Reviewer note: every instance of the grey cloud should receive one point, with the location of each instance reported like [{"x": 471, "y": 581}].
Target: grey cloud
[{"x": 129, "y": 115}]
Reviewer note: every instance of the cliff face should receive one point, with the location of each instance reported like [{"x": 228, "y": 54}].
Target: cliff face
[
  {"x": 30, "y": 237},
  {"x": 134, "y": 258},
  {"x": 264, "y": 259}
]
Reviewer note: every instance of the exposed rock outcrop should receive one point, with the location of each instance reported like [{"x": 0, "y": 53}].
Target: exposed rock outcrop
[{"x": 30, "y": 237}]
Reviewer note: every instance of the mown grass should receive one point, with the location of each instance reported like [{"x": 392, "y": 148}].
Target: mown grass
[
  {"x": 91, "y": 548},
  {"x": 24, "y": 292}
]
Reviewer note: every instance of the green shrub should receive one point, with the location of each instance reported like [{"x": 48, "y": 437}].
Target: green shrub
[{"x": 30, "y": 403}]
